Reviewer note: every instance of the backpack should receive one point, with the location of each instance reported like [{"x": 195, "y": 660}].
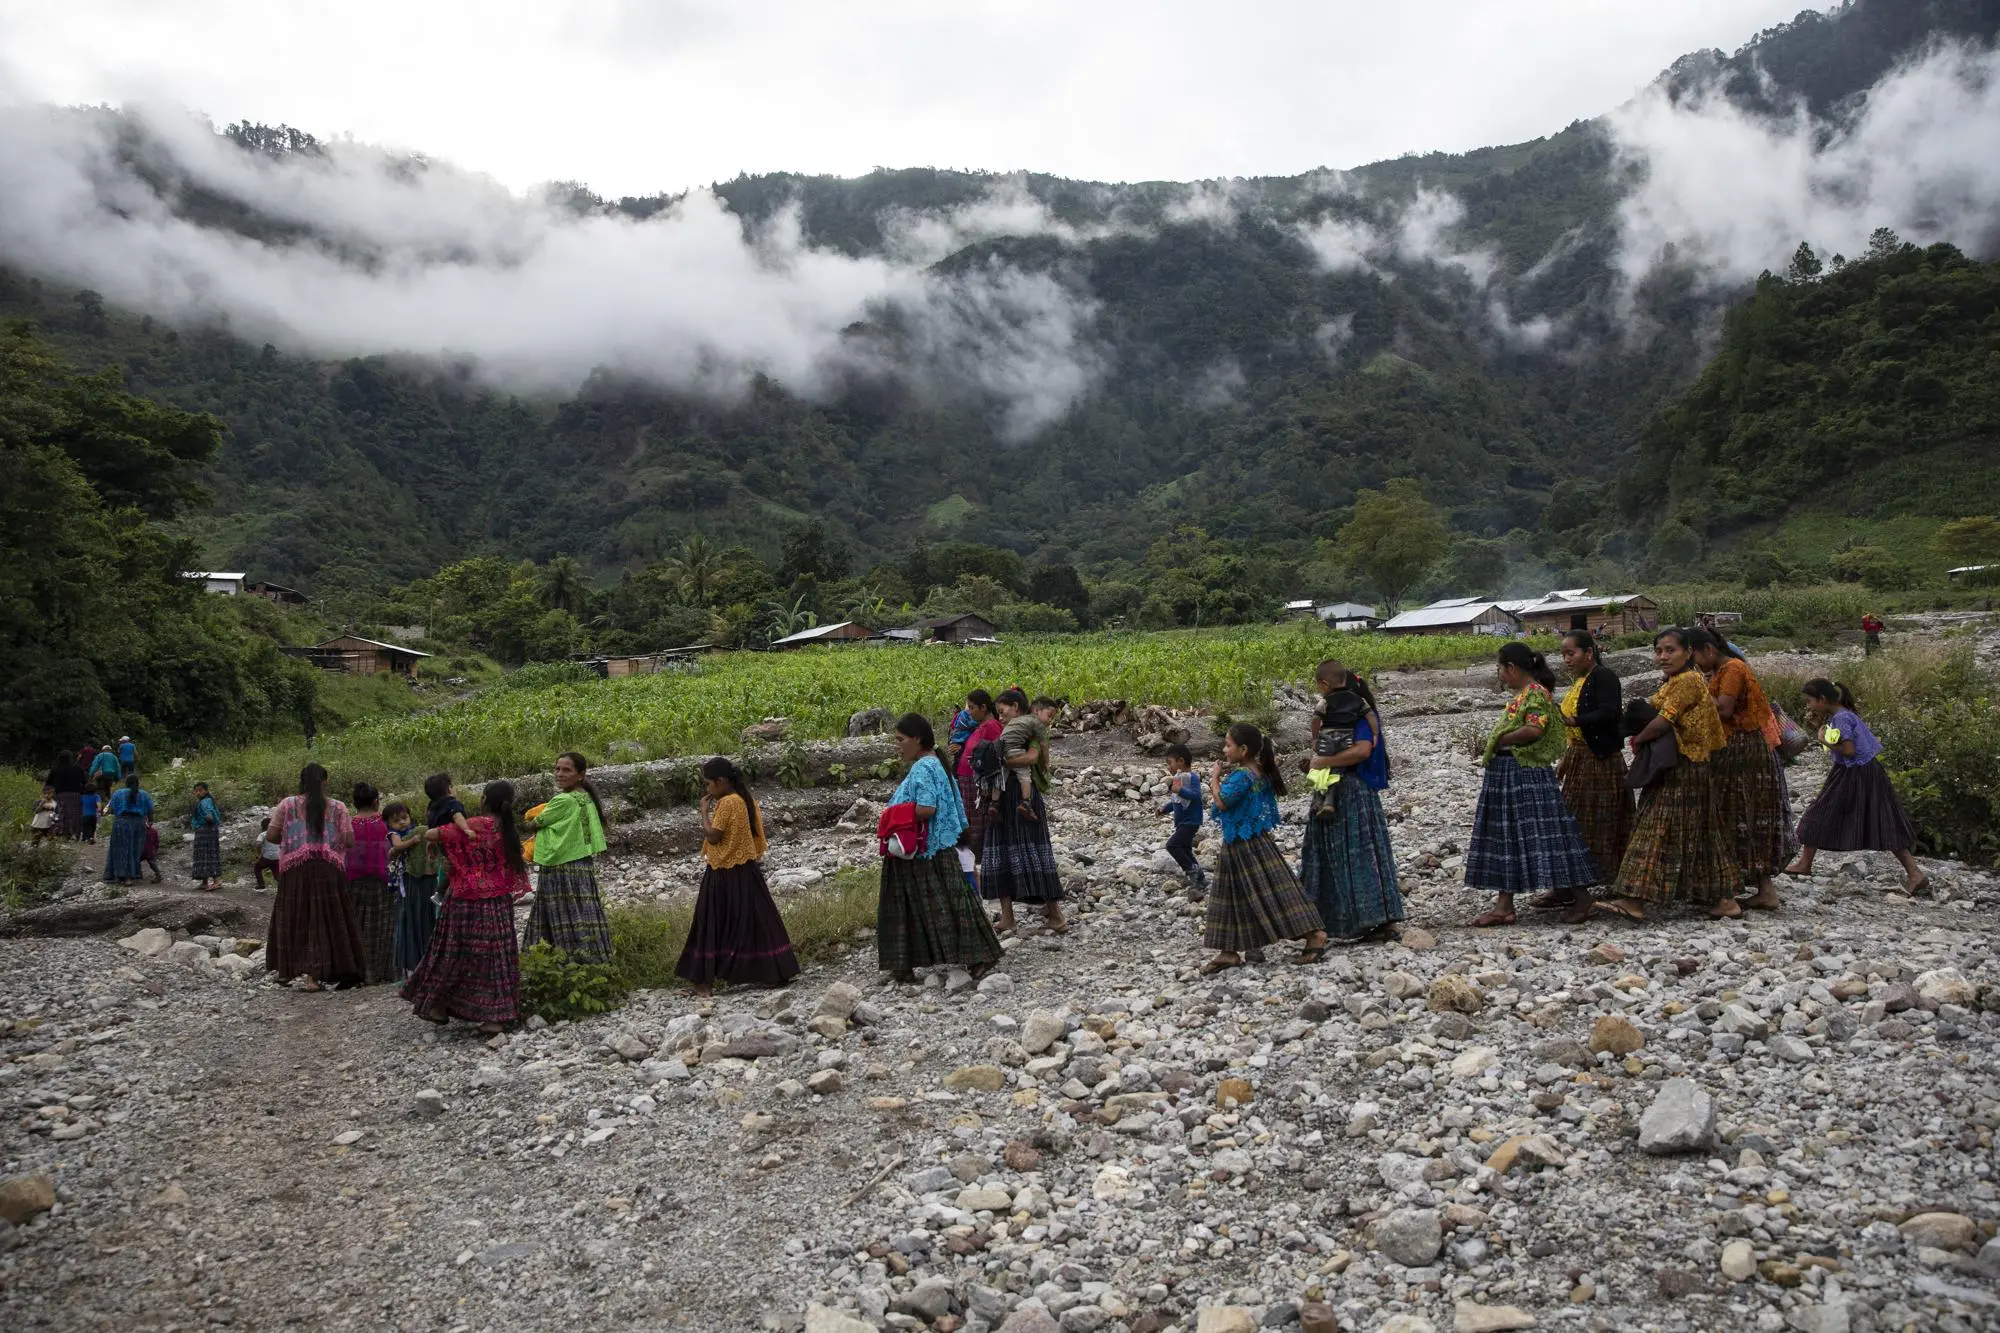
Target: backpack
[
  {"x": 899, "y": 833},
  {"x": 987, "y": 766}
]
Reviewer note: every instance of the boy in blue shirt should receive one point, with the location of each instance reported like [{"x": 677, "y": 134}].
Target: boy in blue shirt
[
  {"x": 1184, "y": 802},
  {"x": 89, "y": 830}
]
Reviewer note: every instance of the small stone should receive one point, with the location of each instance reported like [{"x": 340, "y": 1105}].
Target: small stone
[
  {"x": 1616, "y": 1034},
  {"x": 1318, "y": 1317},
  {"x": 1472, "y": 1318},
  {"x": 1452, "y": 993},
  {"x": 1029, "y": 1320},
  {"x": 1474, "y": 1062},
  {"x": 1607, "y": 953},
  {"x": 1739, "y": 1260},
  {"x": 1043, "y": 1029},
  {"x": 149, "y": 943},
  {"x": 1411, "y": 1237},
  {"x": 1941, "y": 1231},
  {"x": 1946, "y": 986},
  {"x": 347, "y": 1138},
  {"x": 976, "y": 1078},
  {"x": 1793, "y": 1050},
  {"x": 825, "y": 1083},
  {"x": 820, "y": 1319},
  {"x": 927, "y": 1300},
  {"x": 1021, "y": 1157},
  {"x": 886, "y": 1103},
  {"x": 1744, "y": 1021},
  {"x": 1530, "y": 1150},
  {"x": 1225, "y": 1319},
  {"x": 173, "y": 1196},
  {"x": 1454, "y": 1027},
  {"x": 628, "y": 1046},
  {"x": 1782, "y": 1274},
  {"x": 983, "y": 1199},
  {"x": 1407, "y": 1323},
  {"x": 1315, "y": 1011},
  {"x": 1237, "y": 1090},
  {"x": 25, "y": 1198},
  {"x": 1681, "y": 1119},
  {"x": 428, "y": 1104},
  {"x": 1417, "y": 939}
]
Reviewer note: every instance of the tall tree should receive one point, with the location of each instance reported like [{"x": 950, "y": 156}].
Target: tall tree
[
  {"x": 1394, "y": 538},
  {"x": 563, "y": 585},
  {"x": 695, "y": 570}
]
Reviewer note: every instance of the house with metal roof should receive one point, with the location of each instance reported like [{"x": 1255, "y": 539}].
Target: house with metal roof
[
  {"x": 1454, "y": 615},
  {"x": 845, "y": 631}
]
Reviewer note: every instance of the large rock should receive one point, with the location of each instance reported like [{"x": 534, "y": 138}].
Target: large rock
[
  {"x": 1744, "y": 1021},
  {"x": 976, "y": 1078},
  {"x": 1454, "y": 994},
  {"x": 25, "y": 1198},
  {"x": 1616, "y": 1034},
  {"x": 868, "y": 722},
  {"x": 148, "y": 943},
  {"x": 838, "y": 1002},
  {"x": 928, "y": 1301},
  {"x": 1946, "y": 986},
  {"x": 1739, "y": 1260},
  {"x": 820, "y": 1319},
  {"x": 1942, "y": 1231},
  {"x": 1225, "y": 1319},
  {"x": 1681, "y": 1119},
  {"x": 1044, "y": 1028},
  {"x": 1411, "y": 1237}
]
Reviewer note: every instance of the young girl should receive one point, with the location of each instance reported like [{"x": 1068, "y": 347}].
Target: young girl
[
  {"x": 206, "y": 821},
  {"x": 737, "y": 935},
  {"x": 43, "y": 824},
  {"x": 1857, "y": 810},
  {"x": 1524, "y": 837},
  {"x": 473, "y": 968},
  {"x": 414, "y": 863},
  {"x": 368, "y": 886},
  {"x": 1256, "y": 899},
  {"x": 985, "y": 727}
]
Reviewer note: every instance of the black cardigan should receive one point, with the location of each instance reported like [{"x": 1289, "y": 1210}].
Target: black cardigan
[{"x": 1597, "y": 711}]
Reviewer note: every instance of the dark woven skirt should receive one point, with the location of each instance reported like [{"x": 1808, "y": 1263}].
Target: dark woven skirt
[
  {"x": 975, "y": 814},
  {"x": 928, "y": 916},
  {"x": 1016, "y": 860},
  {"x": 473, "y": 969},
  {"x": 1347, "y": 868},
  {"x": 69, "y": 813},
  {"x": 1255, "y": 899},
  {"x": 569, "y": 912},
  {"x": 1524, "y": 838},
  {"x": 1856, "y": 811},
  {"x": 208, "y": 853},
  {"x": 1786, "y": 821},
  {"x": 1679, "y": 848},
  {"x": 314, "y": 932},
  {"x": 1595, "y": 791},
  {"x": 127, "y": 849},
  {"x": 737, "y": 935},
  {"x": 375, "y": 909},
  {"x": 416, "y": 918},
  {"x": 1747, "y": 802}
]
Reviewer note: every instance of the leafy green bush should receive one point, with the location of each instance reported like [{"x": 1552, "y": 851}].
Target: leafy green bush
[
  {"x": 557, "y": 986},
  {"x": 645, "y": 789},
  {"x": 792, "y": 766},
  {"x": 541, "y": 675},
  {"x": 646, "y": 942}
]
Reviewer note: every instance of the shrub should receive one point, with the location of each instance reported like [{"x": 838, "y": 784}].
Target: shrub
[
  {"x": 822, "y": 920},
  {"x": 557, "y": 986},
  {"x": 542, "y": 675},
  {"x": 646, "y": 942}
]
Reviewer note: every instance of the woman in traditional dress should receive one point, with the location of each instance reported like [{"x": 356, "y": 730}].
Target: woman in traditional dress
[
  {"x": 1017, "y": 862},
  {"x": 1347, "y": 867},
  {"x": 1857, "y": 809},
  {"x": 1747, "y": 796},
  {"x": 315, "y": 933},
  {"x": 1254, "y": 899},
  {"x": 927, "y": 916},
  {"x": 978, "y": 711},
  {"x": 1592, "y": 768},
  {"x": 131, "y": 811},
  {"x": 104, "y": 773},
  {"x": 473, "y": 969},
  {"x": 1524, "y": 837},
  {"x": 419, "y": 862},
  {"x": 368, "y": 886},
  {"x": 1679, "y": 847},
  {"x": 206, "y": 821},
  {"x": 737, "y": 935},
  {"x": 67, "y": 779},
  {"x": 569, "y": 835}
]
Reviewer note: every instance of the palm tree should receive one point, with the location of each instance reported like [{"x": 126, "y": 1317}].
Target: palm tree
[
  {"x": 563, "y": 585},
  {"x": 866, "y": 606},
  {"x": 696, "y": 570},
  {"x": 791, "y": 619}
]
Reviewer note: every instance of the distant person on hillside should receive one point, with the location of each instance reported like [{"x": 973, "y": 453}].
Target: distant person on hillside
[
  {"x": 131, "y": 811},
  {"x": 128, "y": 757},
  {"x": 737, "y": 935},
  {"x": 1857, "y": 809},
  {"x": 206, "y": 821},
  {"x": 67, "y": 779},
  {"x": 85, "y": 755},
  {"x": 368, "y": 886},
  {"x": 1871, "y": 634},
  {"x": 314, "y": 932},
  {"x": 569, "y": 837}
]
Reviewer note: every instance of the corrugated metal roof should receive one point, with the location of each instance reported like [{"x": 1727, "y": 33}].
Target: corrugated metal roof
[
  {"x": 809, "y": 635},
  {"x": 1347, "y": 611},
  {"x": 1430, "y": 617},
  {"x": 1553, "y": 604}
]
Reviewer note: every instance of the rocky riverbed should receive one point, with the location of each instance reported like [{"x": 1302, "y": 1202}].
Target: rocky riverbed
[{"x": 1783, "y": 1122}]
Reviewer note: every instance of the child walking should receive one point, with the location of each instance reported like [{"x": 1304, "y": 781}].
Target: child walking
[
  {"x": 88, "y": 803},
  {"x": 1857, "y": 810},
  {"x": 1184, "y": 804}
]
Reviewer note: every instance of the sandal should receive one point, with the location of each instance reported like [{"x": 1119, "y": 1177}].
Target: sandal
[
  {"x": 1547, "y": 902},
  {"x": 1215, "y": 965},
  {"x": 1308, "y": 956},
  {"x": 1577, "y": 911},
  {"x": 1494, "y": 917},
  {"x": 1613, "y": 907}
]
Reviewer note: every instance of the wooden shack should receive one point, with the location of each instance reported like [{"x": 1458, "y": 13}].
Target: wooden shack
[
  {"x": 1455, "y": 615},
  {"x": 962, "y": 628},
  {"x": 356, "y": 656},
  {"x": 277, "y": 592},
  {"x": 1627, "y": 613},
  {"x": 845, "y": 631}
]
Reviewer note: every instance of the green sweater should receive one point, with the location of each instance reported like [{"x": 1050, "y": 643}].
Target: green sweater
[{"x": 567, "y": 830}]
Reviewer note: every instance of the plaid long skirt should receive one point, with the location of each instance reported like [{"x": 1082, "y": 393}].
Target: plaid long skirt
[
  {"x": 1857, "y": 811},
  {"x": 928, "y": 916},
  {"x": 127, "y": 849},
  {"x": 1524, "y": 838},
  {"x": 69, "y": 813},
  {"x": 1016, "y": 860},
  {"x": 416, "y": 918},
  {"x": 1348, "y": 868},
  {"x": 737, "y": 935},
  {"x": 314, "y": 931},
  {"x": 1679, "y": 848},
  {"x": 375, "y": 909},
  {"x": 1747, "y": 802},
  {"x": 1595, "y": 791},
  {"x": 1255, "y": 899},
  {"x": 569, "y": 912},
  {"x": 208, "y": 853},
  {"x": 1786, "y": 821},
  {"x": 976, "y": 814},
  {"x": 473, "y": 969}
]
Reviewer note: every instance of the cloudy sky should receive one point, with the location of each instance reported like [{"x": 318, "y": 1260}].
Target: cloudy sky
[{"x": 636, "y": 96}]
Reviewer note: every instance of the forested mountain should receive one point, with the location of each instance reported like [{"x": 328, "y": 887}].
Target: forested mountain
[{"x": 1097, "y": 365}]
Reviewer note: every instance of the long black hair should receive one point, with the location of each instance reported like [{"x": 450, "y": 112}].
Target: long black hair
[
  {"x": 365, "y": 796},
  {"x": 982, "y": 698},
  {"x": 723, "y": 769},
  {"x": 1523, "y": 658},
  {"x": 918, "y": 728},
  {"x": 1702, "y": 638},
  {"x": 312, "y": 786},
  {"x": 582, "y": 767},
  {"x": 1830, "y": 691},
  {"x": 1586, "y": 642},
  {"x": 1014, "y": 698},
  {"x": 1262, "y": 757},
  {"x": 498, "y": 801}
]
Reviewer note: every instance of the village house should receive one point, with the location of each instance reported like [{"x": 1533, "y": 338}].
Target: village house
[
  {"x": 965, "y": 627},
  {"x": 356, "y": 656},
  {"x": 1349, "y": 616},
  {"x": 277, "y": 592},
  {"x": 1455, "y": 615},
  {"x": 218, "y": 582},
  {"x": 1559, "y": 613},
  {"x": 845, "y": 631}
]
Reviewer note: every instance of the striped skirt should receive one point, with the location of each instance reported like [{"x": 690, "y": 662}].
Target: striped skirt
[
  {"x": 1348, "y": 869},
  {"x": 1857, "y": 811},
  {"x": 375, "y": 909},
  {"x": 1016, "y": 860},
  {"x": 1786, "y": 821},
  {"x": 1524, "y": 838},
  {"x": 1255, "y": 899},
  {"x": 975, "y": 814},
  {"x": 737, "y": 935},
  {"x": 1679, "y": 848},
  {"x": 569, "y": 912},
  {"x": 69, "y": 813},
  {"x": 314, "y": 932},
  {"x": 473, "y": 970},
  {"x": 1747, "y": 802},
  {"x": 127, "y": 849},
  {"x": 416, "y": 918},
  {"x": 208, "y": 853},
  {"x": 1595, "y": 791},
  {"x": 928, "y": 916}
]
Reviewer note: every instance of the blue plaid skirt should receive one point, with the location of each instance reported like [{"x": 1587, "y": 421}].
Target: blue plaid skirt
[
  {"x": 1348, "y": 869},
  {"x": 1524, "y": 837}
]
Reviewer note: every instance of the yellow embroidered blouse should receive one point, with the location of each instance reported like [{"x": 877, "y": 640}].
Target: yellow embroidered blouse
[
  {"x": 740, "y": 842},
  {"x": 1685, "y": 701}
]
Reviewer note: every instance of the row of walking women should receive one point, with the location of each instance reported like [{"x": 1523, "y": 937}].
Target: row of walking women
[{"x": 1557, "y": 815}]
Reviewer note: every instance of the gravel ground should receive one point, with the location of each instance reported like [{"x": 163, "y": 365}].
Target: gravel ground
[{"x": 1782, "y": 1123}]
